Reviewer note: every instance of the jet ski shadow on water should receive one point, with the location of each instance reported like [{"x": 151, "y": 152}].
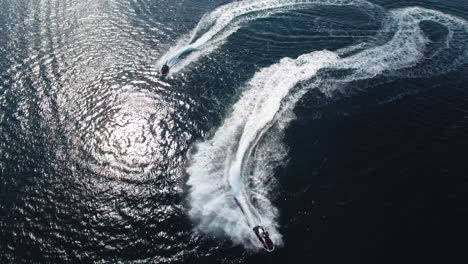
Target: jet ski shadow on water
[{"x": 264, "y": 238}]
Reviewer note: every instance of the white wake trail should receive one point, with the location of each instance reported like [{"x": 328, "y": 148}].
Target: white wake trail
[
  {"x": 225, "y": 20},
  {"x": 223, "y": 168},
  {"x": 217, "y": 167}
]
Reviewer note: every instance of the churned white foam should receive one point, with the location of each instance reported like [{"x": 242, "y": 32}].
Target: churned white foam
[
  {"x": 216, "y": 26},
  {"x": 229, "y": 173},
  {"x": 218, "y": 166}
]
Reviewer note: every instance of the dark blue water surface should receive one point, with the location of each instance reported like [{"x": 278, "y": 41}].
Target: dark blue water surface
[{"x": 95, "y": 143}]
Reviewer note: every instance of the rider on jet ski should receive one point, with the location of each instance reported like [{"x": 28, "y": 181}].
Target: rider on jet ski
[
  {"x": 165, "y": 69},
  {"x": 263, "y": 236}
]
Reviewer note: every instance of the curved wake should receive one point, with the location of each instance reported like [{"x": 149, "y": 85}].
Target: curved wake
[
  {"x": 216, "y": 26},
  {"x": 229, "y": 173}
]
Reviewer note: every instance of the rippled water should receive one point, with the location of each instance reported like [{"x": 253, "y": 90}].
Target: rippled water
[{"x": 98, "y": 150}]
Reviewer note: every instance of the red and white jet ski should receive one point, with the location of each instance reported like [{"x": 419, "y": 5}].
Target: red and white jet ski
[{"x": 262, "y": 235}]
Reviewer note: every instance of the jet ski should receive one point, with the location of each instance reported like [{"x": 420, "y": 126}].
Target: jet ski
[
  {"x": 165, "y": 69},
  {"x": 262, "y": 235}
]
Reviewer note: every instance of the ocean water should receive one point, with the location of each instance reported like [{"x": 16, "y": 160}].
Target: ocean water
[{"x": 341, "y": 126}]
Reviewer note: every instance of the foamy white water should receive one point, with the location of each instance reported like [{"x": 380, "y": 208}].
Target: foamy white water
[
  {"x": 233, "y": 166},
  {"x": 225, "y": 20}
]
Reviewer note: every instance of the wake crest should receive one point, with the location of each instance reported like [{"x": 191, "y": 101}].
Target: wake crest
[
  {"x": 230, "y": 174},
  {"x": 225, "y": 20}
]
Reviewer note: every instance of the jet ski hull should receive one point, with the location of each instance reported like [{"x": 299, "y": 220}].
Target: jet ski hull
[{"x": 265, "y": 239}]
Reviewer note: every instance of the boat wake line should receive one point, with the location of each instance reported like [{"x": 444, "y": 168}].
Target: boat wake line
[
  {"x": 231, "y": 173},
  {"x": 215, "y": 27}
]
